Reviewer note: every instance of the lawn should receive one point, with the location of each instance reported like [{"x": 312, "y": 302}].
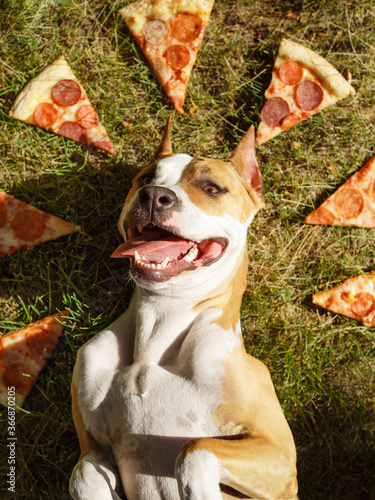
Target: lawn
[{"x": 322, "y": 364}]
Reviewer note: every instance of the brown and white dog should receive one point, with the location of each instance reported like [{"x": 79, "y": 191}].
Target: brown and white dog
[{"x": 166, "y": 401}]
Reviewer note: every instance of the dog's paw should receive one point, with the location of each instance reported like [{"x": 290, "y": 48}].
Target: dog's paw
[
  {"x": 93, "y": 479},
  {"x": 198, "y": 476}
]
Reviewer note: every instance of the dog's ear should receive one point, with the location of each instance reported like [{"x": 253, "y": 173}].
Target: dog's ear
[
  {"x": 165, "y": 147},
  {"x": 244, "y": 160}
]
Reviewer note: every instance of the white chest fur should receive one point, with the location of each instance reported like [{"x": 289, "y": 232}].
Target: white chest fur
[{"x": 149, "y": 383}]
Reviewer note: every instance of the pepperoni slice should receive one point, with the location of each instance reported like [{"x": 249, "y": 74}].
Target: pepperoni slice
[
  {"x": 349, "y": 202},
  {"x": 163, "y": 71},
  {"x": 308, "y": 95},
  {"x": 28, "y": 225},
  {"x": 3, "y": 215},
  {"x": 13, "y": 375},
  {"x": 290, "y": 121},
  {"x": 274, "y": 111},
  {"x": 178, "y": 56},
  {"x": 45, "y": 114},
  {"x": 291, "y": 72},
  {"x": 74, "y": 131},
  {"x": 363, "y": 304},
  {"x": 66, "y": 93},
  {"x": 87, "y": 116},
  {"x": 155, "y": 31},
  {"x": 186, "y": 27}
]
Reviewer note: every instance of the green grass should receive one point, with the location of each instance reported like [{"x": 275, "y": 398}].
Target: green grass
[{"x": 322, "y": 364}]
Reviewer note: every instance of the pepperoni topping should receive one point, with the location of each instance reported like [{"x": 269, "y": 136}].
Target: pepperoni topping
[
  {"x": 308, "y": 95},
  {"x": 66, "y": 92},
  {"x": 177, "y": 56},
  {"x": 3, "y": 215},
  {"x": 28, "y": 225},
  {"x": 274, "y": 111},
  {"x": 155, "y": 31},
  {"x": 186, "y": 27},
  {"x": 363, "y": 304},
  {"x": 163, "y": 71},
  {"x": 13, "y": 375},
  {"x": 87, "y": 116},
  {"x": 290, "y": 121},
  {"x": 45, "y": 114},
  {"x": 291, "y": 72},
  {"x": 74, "y": 131},
  {"x": 349, "y": 202}
]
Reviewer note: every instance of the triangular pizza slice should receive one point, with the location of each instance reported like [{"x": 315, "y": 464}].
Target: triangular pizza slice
[
  {"x": 353, "y": 204},
  {"x": 355, "y": 298},
  {"x": 302, "y": 84},
  {"x": 23, "y": 355},
  {"x": 24, "y": 226},
  {"x": 55, "y": 100},
  {"x": 169, "y": 33}
]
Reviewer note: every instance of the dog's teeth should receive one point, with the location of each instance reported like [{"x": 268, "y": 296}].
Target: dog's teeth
[
  {"x": 137, "y": 258},
  {"x": 189, "y": 257},
  {"x": 163, "y": 265}
]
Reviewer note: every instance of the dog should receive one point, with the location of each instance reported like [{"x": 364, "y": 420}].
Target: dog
[{"x": 167, "y": 404}]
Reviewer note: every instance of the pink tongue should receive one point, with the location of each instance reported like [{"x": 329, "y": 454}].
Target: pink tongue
[{"x": 155, "y": 246}]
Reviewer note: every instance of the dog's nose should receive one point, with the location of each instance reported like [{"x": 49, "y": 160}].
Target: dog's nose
[{"x": 157, "y": 198}]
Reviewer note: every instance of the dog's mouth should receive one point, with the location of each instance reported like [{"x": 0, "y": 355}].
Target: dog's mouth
[{"x": 159, "y": 254}]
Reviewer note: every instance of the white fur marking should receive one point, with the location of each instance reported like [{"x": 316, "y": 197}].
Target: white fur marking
[
  {"x": 198, "y": 476},
  {"x": 170, "y": 169}
]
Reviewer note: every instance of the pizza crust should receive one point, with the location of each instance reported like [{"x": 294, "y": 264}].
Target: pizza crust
[
  {"x": 306, "y": 82},
  {"x": 12, "y": 229},
  {"x": 324, "y": 71},
  {"x": 354, "y": 298},
  {"x": 38, "y": 90},
  {"x": 136, "y": 14},
  {"x": 153, "y": 25},
  {"x": 352, "y": 204},
  {"x": 24, "y": 353}
]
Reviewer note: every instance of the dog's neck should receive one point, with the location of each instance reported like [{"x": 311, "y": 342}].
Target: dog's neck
[{"x": 162, "y": 322}]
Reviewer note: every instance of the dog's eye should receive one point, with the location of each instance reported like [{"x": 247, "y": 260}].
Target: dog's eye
[
  {"x": 213, "y": 189},
  {"x": 146, "y": 178}
]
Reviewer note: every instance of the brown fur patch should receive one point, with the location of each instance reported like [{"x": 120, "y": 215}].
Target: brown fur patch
[
  {"x": 228, "y": 296},
  {"x": 239, "y": 200},
  {"x": 250, "y": 400},
  {"x": 86, "y": 441}
]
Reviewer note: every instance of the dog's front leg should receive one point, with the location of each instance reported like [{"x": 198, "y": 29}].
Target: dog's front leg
[
  {"x": 95, "y": 478},
  {"x": 253, "y": 466}
]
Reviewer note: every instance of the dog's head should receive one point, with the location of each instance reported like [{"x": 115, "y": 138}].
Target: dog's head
[{"x": 185, "y": 220}]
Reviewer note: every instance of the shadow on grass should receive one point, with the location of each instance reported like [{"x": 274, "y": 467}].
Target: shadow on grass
[{"x": 337, "y": 457}]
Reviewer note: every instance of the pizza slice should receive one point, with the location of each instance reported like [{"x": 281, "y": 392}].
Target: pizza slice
[
  {"x": 24, "y": 226},
  {"x": 302, "y": 84},
  {"x": 169, "y": 33},
  {"x": 355, "y": 298},
  {"x": 24, "y": 353},
  {"x": 55, "y": 100},
  {"x": 353, "y": 204}
]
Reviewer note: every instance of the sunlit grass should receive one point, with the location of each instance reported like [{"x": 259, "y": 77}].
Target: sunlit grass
[{"x": 322, "y": 364}]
